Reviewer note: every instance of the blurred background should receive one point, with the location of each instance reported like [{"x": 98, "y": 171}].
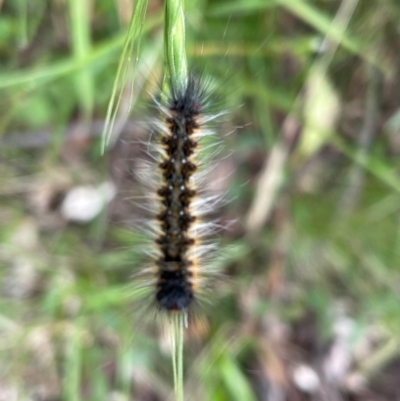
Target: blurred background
[{"x": 309, "y": 306}]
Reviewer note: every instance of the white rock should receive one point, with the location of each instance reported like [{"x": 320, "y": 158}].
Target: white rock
[
  {"x": 82, "y": 204},
  {"x": 306, "y": 378}
]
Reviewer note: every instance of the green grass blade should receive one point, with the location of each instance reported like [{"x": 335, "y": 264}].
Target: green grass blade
[
  {"x": 382, "y": 171},
  {"x": 312, "y": 16},
  {"x": 44, "y": 74},
  {"x": 23, "y": 22},
  {"x": 176, "y": 324},
  {"x": 39, "y": 75},
  {"x": 324, "y": 24},
  {"x": 235, "y": 381},
  {"x": 81, "y": 45},
  {"x": 73, "y": 363},
  {"x": 132, "y": 40},
  {"x": 174, "y": 43},
  {"x": 321, "y": 22}
]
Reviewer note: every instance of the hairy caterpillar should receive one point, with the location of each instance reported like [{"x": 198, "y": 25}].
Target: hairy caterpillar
[{"x": 180, "y": 255}]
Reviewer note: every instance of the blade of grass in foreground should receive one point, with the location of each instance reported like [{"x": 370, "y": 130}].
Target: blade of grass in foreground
[
  {"x": 133, "y": 39},
  {"x": 174, "y": 44},
  {"x": 81, "y": 44}
]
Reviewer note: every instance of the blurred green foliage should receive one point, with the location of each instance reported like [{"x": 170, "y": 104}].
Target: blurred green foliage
[{"x": 317, "y": 81}]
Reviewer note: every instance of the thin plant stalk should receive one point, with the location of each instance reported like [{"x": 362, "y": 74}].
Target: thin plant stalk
[
  {"x": 175, "y": 77},
  {"x": 174, "y": 44},
  {"x": 176, "y": 324}
]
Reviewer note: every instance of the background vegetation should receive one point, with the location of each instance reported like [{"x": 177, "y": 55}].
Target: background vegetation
[{"x": 309, "y": 309}]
